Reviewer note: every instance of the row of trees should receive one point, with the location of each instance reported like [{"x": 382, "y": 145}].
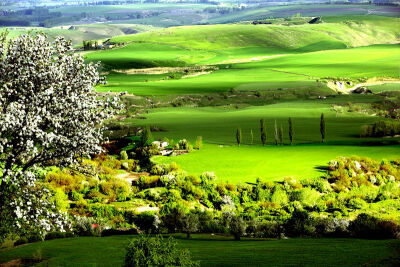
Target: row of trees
[{"x": 278, "y": 132}]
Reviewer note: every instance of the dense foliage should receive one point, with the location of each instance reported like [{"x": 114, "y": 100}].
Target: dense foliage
[{"x": 356, "y": 197}]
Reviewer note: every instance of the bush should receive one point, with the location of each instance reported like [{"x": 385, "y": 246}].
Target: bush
[
  {"x": 367, "y": 226},
  {"x": 102, "y": 210},
  {"x": 157, "y": 251},
  {"x": 268, "y": 229},
  {"x": 183, "y": 144},
  {"x": 147, "y": 181},
  {"x": 308, "y": 197},
  {"x": 87, "y": 226},
  {"x": 21, "y": 241},
  {"x": 35, "y": 238},
  {"x": 158, "y": 170},
  {"x": 110, "y": 232},
  {"x": 199, "y": 143},
  {"x": 75, "y": 196},
  {"x": 54, "y": 235},
  {"x": 146, "y": 221},
  {"x": 280, "y": 197},
  {"x": 357, "y": 203},
  {"x": 124, "y": 155},
  {"x": 299, "y": 224}
]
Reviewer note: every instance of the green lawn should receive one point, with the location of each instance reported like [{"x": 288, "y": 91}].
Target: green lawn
[{"x": 219, "y": 251}]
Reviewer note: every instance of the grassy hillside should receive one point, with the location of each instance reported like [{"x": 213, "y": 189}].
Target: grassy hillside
[
  {"x": 283, "y": 71},
  {"x": 212, "y": 44},
  {"x": 356, "y": 31},
  {"x": 217, "y": 251},
  {"x": 277, "y": 56}
]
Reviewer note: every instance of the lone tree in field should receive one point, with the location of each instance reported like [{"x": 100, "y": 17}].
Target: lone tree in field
[
  {"x": 322, "y": 127},
  {"x": 276, "y": 133},
  {"x": 281, "y": 134},
  {"x": 237, "y": 227},
  {"x": 263, "y": 132},
  {"x": 49, "y": 115},
  {"x": 290, "y": 131},
  {"x": 238, "y": 136}
]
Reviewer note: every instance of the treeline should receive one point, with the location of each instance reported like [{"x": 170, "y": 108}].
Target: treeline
[
  {"x": 224, "y": 9},
  {"x": 39, "y": 16}
]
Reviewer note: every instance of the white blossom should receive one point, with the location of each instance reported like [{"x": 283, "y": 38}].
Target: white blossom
[{"x": 49, "y": 115}]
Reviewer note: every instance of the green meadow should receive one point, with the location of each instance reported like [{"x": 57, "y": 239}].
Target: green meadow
[
  {"x": 217, "y": 251},
  {"x": 251, "y": 160}
]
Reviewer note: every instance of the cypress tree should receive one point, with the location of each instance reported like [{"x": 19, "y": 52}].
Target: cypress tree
[
  {"x": 281, "y": 134},
  {"x": 322, "y": 127},
  {"x": 276, "y": 133},
  {"x": 146, "y": 136},
  {"x": 263, "y": 132},
  {"x": 291, "y": 130},
  {"x": 239, "y": 136}
]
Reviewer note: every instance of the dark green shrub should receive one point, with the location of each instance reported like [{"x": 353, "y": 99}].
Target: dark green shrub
[
  {"x": 146, "y": 221},
  {"x": 357, "y": 203},
  {"x": 102, "y": 210},
  {"x": 299, "y": 224},
  {"x": 75, "y": 196},
  {"x": 367, "y": 226},
  {"x": 110, "y": 232},
  {"x": 268, "y": 229},
  {"x": 35, "y": 238},
  {"x": 157, "y": 251},
  {"x": 54, "y": 235},
  {"x": 21, "y": 241}
]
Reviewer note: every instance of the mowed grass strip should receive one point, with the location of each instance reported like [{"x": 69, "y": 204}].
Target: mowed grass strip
[{"x": 217, "y": 251}]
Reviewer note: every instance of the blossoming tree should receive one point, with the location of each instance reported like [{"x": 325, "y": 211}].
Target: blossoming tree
[{"x": 49, "y": 115}]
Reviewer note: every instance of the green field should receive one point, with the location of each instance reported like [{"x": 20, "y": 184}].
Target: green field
[
  {"x": 218, "y": 251},
  {"x": 217, "y": 126}
]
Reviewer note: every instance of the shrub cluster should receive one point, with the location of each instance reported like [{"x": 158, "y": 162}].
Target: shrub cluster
[
  {"x": 356, "y": 197},
  {"x": 381, "y": 129}
]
